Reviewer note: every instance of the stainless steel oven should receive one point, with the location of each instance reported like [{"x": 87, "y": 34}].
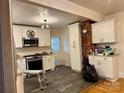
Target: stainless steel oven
[{"x": 34, "y": 62}]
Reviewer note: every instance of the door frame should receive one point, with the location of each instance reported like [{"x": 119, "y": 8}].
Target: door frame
[{"x": 7, "y": 56}]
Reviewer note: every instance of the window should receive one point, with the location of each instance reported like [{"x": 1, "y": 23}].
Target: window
[{"x": 55, "y": 44}]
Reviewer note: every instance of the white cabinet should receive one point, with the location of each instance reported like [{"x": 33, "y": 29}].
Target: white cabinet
[
  {"x": 44, "y": 38},
  {"x": 21, "y": 63},
  {"x": 75, "y": 47},
  {"x": 106, "y": 66},
  {"x": 42, "y": 35},
  {"x": 17, "y": 34},
  {"x": 49, "y": 62},
  {"x": 104, "y": 32},
  {"x": 26, "y": 28}
]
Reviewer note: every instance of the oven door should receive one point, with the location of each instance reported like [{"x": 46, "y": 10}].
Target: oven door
[{"x": 34, "y": 64}]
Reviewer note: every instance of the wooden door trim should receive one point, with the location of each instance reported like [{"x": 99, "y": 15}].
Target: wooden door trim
[{"x": 7, "y": 73}]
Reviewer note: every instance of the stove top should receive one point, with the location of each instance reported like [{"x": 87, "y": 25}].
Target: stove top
[{"x": 34, "y": 56}]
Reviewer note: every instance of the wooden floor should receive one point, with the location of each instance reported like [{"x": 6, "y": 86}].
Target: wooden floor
[{"x": 106, "y": 87}]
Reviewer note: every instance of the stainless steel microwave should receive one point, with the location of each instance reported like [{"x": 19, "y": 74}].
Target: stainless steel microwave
[{"x": 30, "y": 42}]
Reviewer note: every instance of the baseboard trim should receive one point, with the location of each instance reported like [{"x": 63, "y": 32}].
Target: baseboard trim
[
  {"x": 121, "y": 75},
  {"x": 79, "y": 71},
  {"x": 113, "y": 80}
]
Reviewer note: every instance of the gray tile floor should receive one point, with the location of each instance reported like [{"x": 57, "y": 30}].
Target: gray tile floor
[{"x": 62, "y": 80}]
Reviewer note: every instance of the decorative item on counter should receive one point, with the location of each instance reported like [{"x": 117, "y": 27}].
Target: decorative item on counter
[
  {"x": 108, "y": 51},
  {"x": 45, "y": 53},
  {"x": 91, "y": 52},
  {"x": 95, "y": 51},
  {"x": 98, "y": 51}
]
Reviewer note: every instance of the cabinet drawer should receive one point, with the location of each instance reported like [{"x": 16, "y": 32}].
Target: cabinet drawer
[
  {"x": 107, "y": 59},
  {"x": 99, "y": 58}
]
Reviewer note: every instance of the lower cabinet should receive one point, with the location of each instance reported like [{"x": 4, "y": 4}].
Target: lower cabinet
[
  {"x": 49, "y": 62},
  {"x": 21, "y": 64},
  {"x": 106, "y": 67}
]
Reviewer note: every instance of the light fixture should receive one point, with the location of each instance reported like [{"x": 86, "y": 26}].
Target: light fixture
[
  {"x": 45, "y": 25},
  {"x": 84, "y": 31}
]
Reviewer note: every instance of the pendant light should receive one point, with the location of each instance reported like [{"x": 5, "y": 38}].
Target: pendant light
[{"x": 45, "y": 25}]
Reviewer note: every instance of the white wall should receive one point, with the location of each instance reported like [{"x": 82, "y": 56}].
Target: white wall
[
  {"x": 65, "y": 47},
  {"x": 63, "y": 56}
]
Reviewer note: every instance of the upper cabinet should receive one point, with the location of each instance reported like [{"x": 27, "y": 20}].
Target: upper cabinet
[
  {"x": 26, "y": 28},
  {"x": 103, "y": 32},
  {"x": 17, "y": 36},
  {"x": 44, "y": 37},
  {"x": 19, "y": 32}
]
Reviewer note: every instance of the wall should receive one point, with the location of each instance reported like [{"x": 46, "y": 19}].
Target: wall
[
  {"x": 65, "y": 47},
  {"x": 120, "y": 39},
  {"x": 63, "y": 56}
]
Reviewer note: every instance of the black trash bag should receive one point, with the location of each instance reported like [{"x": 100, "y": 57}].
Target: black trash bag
[{"x": 89, "y": 72}]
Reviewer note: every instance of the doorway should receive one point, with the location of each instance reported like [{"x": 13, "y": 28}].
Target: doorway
[{"x": 7, "y": 69}]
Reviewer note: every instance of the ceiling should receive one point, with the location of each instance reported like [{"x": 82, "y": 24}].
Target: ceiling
[
  {"x": 105, "y": 7},
  {"x": 28, "y": 14}
]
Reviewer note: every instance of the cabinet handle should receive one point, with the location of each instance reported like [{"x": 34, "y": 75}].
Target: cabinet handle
[{"x": 101, "y": 40}]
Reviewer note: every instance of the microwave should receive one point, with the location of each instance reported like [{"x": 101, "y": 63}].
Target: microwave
[{"x": 30, "y": 42}]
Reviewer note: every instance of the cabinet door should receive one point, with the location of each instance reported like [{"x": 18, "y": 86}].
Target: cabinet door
[
  {"x": 109, "y": 33},
  {"x": 103, "y": 32},
  {"x": 103, "y": 65},
  {"x": 104, "y": 69},
  {"x": 44, "y": 38},
  {"x": 96, "y": 33},
  {"x": 24, "y": 30},
  {"x": 17, "y": 33},
  {"x": 75, "y": 46},
  {"x": 21, "y": 64},
  {"x": 52, "y": 59},
  {"x": 47, "y": 64},
  {"x": 115, "y": 67}
]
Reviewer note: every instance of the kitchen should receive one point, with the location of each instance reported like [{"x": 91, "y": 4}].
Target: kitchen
[
  {"x": 34, "y": 44},
  {"x": 24, "y": 35}
]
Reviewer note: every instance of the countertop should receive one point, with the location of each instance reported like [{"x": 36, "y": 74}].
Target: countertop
[{"x": 105, "y": 55}]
